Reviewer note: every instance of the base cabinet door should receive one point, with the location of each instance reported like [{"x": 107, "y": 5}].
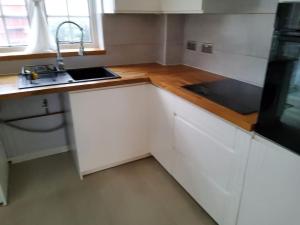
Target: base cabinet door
[
  {"x": 211, "y": 157},
  {"x": 205, "y": 154},
  {"x": 110, "y": 126},
  {"x": 202, "y": 166},
  {"x": 209, "y": 170},
  {"x": 161, "y": 126},
  {"x": 272, "y": 186}
]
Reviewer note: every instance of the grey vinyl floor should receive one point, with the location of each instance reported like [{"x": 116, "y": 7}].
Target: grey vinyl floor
[{"x": 48, "y": 191}]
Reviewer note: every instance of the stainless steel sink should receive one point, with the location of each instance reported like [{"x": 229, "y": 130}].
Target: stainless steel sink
[
  {"x": 90, "y": 74},
  {"x": 48, "y": 75}
]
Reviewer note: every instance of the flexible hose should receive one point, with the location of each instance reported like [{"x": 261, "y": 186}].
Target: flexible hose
[{"x": 60, "y": 126}]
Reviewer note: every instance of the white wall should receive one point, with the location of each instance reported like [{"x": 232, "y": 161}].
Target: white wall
[
  {"x": 175, "y": 41},
  {"x": 241, "y": 44},
  {"x": 162, "y": 37},
  {"x": 129, "y": 39},
  {"x": 170, "y": 36}
]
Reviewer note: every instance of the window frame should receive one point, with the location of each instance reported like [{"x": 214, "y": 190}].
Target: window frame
[
  {"x": 93, "y": 29},
  {"x": 13, "y": 48}
]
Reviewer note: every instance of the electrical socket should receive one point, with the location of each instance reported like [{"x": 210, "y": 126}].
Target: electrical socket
[
  {"x": 191, "y": 45},
  {"x": 207, "y": 48}
]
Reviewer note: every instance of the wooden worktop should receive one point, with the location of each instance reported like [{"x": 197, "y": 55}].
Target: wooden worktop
[
  {"x": 9, "y": 86},
  {"x": 170, "y": 78}
]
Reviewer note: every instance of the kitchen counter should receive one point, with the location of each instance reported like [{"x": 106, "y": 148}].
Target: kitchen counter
[
  {"x": 170, "y": 78},
  {"x": 9, "y": 87}
]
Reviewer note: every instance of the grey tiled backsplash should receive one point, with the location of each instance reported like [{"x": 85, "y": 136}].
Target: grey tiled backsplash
[{"x": 241, "y": 44}]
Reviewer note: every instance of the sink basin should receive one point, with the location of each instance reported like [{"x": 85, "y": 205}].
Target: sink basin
[
  {"x": 90, "y": 74},
  {"x": 49, "y": 76}
]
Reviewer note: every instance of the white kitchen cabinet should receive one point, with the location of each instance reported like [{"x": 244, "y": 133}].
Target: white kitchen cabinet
[
  {"x": 240, "y": 6},
  {"x": 3, "y": 175},
  {"x": 210, "y": 160},
  {"x": 204, "y": 153},
  {"x": 190, "y": 6},
  {"x": 179, "y": 6},
  {"x": 162, "y": 126},
  {"x": 131, "y": 6},
  {"x": 256, "y": 6},
  {"x": 217, "y": 6},
  {"x": 109, "y": 126},
  {"x": 153, "y": 6},
  {"x": 272, "y": 186}
]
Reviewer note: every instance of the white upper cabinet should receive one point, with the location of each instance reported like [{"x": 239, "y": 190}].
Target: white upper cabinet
[
  {"x": 239, "y": 6},
  {"x": 131, "y": 6},
  {"x": 256, "y": 6},
  {"x": 190, "y": 6},
  {"x": 179, "y": 6}
]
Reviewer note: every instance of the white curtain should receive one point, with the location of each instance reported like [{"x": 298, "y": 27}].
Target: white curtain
[{"x": 40, "y": 39}]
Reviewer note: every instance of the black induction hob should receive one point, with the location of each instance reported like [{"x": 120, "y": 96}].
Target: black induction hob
[{"x": 238, "y": 96}]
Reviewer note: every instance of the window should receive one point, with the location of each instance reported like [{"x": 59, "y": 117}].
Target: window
[
  {"x": 14, "y": 25},
  {"x": 78, "y": 11},
  {"x": 15, "y": 22}
]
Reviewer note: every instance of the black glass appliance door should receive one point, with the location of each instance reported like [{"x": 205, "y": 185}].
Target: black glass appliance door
[
  {"x": 288, "y": 16},
  {"x": 279, "y": 118}
]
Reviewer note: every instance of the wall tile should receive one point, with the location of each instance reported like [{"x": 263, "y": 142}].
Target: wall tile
[
  {"x": 241, "y": 44},
  {"x": 130, "y": 29},
  {"x": 171, "y": 39}
]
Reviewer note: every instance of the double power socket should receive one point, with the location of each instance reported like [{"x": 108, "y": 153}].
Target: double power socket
[{"x": 203, "y": 47}]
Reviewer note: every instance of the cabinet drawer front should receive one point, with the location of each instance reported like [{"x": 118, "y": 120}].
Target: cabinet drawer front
[
  {"x": 204, "y": 167},
  {"x": 211, "y": 124},
  {"x": 210, "y": 196},
  {"x": 213, "y": 159}
]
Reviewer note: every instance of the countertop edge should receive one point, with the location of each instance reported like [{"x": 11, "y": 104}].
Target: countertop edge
[
  {"x": 73, "y": 87},
  {"x": 235, "y": 121},
  {"x": 128, "y": 77}
]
